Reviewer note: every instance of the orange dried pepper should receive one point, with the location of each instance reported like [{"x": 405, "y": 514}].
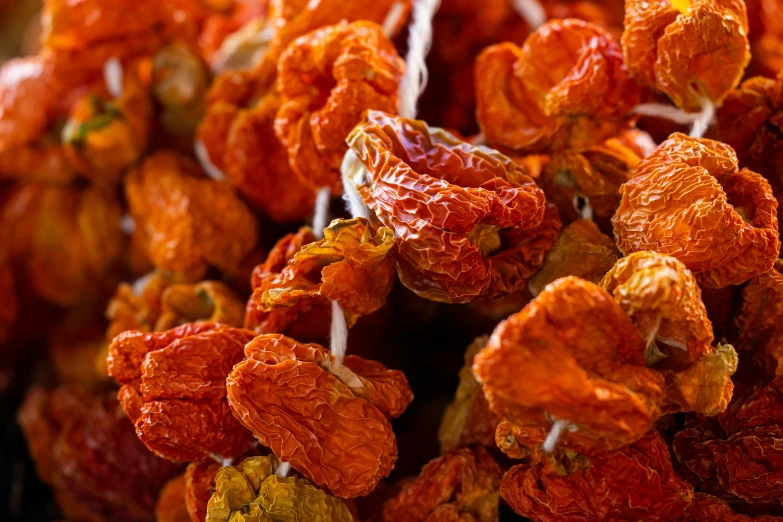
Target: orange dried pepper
[
  {"x": 330, "y": 421},
  {"x": 689, "y": 200},
  {"x": 582, "y": 251},
  {"x": 490, "y": 229},
  {"x": 760, "y": 322},
  {"x": 291, "y": 19},
  {"x": 633, "y": 483},
  {"x": 309, "y": 318},
  {"x": 171, "y": 502},
  {"x": 186, "y": 221},
  {"x": 326, "y": 80},
  {"x": 461, "y": 485},
  {"x": 64, "y": 240},
  {"x": 210, "y": 301},
  {"x": 584, "y": 364},
  {"x": 199, "y": 486},
  {"x": 739, "y": 457},
  {"x": 351, "y": 265},
  {"x": 751, "y": 122},
  {"x": 179, "y": 83},
  {"x": 89, "y": 32},
  {"x": 594, "y": 175},
  {"x": 177, "y": 395},
  {"x": 85, "y": 448},
  {"x": 468, "y": 419},
  {"x": 26, "y": 101},
  {"x": 136, "y": 306},
  {"x": 691, "y": 50},
  {"x": 257, "y": 164},
  {"x": 103, "y": 137},
  {"x": 238, "y": 136},
  {"x": 565, "y": 88},
  {"x": 664, "y": 302}
]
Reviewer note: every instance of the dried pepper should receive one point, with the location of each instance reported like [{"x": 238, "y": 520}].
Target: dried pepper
[
  {"x": 760, "y": 321},
  {"x": 294, "y": 18},
  {"x": 326, "y": 80},
  {"x": 565, "y": 88},
  {"x": 751, "y": 121},
  {"x": 461, "y": 485},
  {"x": 238, "y": 136},
  {"x": 689, "y": 200},
  {"x": 82, "y": 445},
  {"x": 739, "y": 456},
  {"x": 490, "y": 229},
  {"x": 64, "y": 241},
  {"x": 265, "y": 179},
  {"x": 468, "y": 419},
  {"x": 185, "y": 221},
  {"x": 174, "y": 389},
  {"x": 585, "y": 364},
  {"x": 694, "y": 51},
  {"x": 199, "y": 487},
  {"x": 587, "y": 183},
  {"x": 352, "y": 263},
  {"x": 664, "y": 302},
  {"x": 179, "y": 83},
  {"x": 582, "y": 251},
  {"x": 102, "y": 136},
  {"x": 251, "y": 491},
  {"x": 329, "y": 420},
  {"x": 632, "y": 483},
  {"x": 171, "y": 502},
  {"x": 305, "y": 320}
]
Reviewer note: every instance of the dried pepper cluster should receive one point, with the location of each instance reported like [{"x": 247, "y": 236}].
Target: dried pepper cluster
[{"x": 179, "y": 282}]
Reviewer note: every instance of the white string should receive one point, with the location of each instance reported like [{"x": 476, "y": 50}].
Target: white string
[
  {"x": 392, "y": 20},
  {"x": 419, "y": 42},
  {"x": 554, "y": 434},
  {"x": 127, "y": 224},
  {"x": 339, "y": 333},
  {"x": 206, "y": 164},
  {"x": 220, "y": 460},
  {"x": 353, "y": 171},
  {"x": 703, "y": 120},
  {"x": 283, "y": 469},
  {"x": 321, "y": 211},
  {"x": 112, "y": 75},
  {"x": 586, "y": 210},
  {"x": 531, "y": 11},
  {"x": 699, "y": 121}
]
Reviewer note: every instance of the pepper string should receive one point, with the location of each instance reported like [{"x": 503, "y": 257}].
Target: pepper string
[
  {"x": 531, "y": 11},
  {"x": 321, "y": 212},
  {"x": 393, "y": 18},
  {"x": 112, "y": 75},
  {"x": 558, "y": 427},
  {"x": 338, "y": 335},
  {"x": 283, "y": 469},
  {"x": 699, "y": 121},
  {"x": 412, "y": 85},
  {"x": 206, "y": 164},
  {"x": 419, "y": 43}
]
